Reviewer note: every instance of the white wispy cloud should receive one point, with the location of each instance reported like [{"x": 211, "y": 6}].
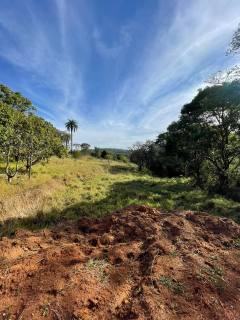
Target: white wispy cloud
[
  {"x": 45, "y": 52},
  {"x": 114, "y": 50},
  {"x": 151, "y": 72},
  {"x": 177, "y": 62}
]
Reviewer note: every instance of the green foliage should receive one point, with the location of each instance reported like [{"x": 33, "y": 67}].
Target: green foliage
[
  {"x": 175, "y": 286},
  {"x": 104, "y": 154},
  {"x": 107, "y": 155},
  {"x": 85, "y": 146},
  {"x": 92, "y": 187},
  {"x": 140, "y": 154},
  {"x": 213, "y": 275},
  {"x": 111, "y": 154},
  {"x": 77, "y": 154},
  {"x": 204, "y": 143},
  {"x": 25, "y": 139},
  {"x": 65, "y": 137},
  {"x": 72, "y": 126},
  {"x": 15, "y": 100},
  {"x": 121, "y": 157}
]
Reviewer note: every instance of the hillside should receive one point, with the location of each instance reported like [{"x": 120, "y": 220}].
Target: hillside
[
  {"x": 137, "y": 263},
  {"x": 66, "y": 188},
  {"x": 64, "y": 255}
]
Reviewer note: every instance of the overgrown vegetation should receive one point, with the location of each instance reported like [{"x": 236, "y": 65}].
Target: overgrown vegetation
[{"x": 94, "y": 187}]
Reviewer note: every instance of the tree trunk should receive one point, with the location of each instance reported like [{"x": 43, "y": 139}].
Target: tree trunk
[
  {"x": 223, "y": 183},
  {"x": 11, "y": 173},
  {"x": 71, "y": 140},
  {"x": 29, "y": 168},
  {"x": 29, "y": 172}
]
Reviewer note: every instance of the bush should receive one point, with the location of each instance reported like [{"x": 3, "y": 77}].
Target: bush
[
  {"x": 77, "y": 154},
  {"x": 121, "y": 157}
]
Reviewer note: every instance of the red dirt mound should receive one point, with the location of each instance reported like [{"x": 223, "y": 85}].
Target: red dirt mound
[{"x": 137, "y": 263}]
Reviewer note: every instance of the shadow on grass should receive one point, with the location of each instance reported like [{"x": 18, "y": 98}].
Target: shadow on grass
[
  {"x": 166, "y": 194},
  {"x": 116, "y": 169}
]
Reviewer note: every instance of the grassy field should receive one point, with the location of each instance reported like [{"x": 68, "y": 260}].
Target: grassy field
[{"x": 73, "y": 188}]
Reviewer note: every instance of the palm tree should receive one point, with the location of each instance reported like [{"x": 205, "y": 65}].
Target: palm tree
[{"x": 71, "y": 125}]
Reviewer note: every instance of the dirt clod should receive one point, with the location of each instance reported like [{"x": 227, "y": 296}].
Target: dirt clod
[{"x": 137, "y": 263}]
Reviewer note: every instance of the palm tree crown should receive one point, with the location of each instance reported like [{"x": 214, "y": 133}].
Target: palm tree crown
[{"x": 72, "y": 126}]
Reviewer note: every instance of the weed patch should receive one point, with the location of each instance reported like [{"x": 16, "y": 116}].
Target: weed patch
[
  {"x": 175, "y": 286},
  {"x": 213, "y": 275},
  {"x": 98, "y": 268}
]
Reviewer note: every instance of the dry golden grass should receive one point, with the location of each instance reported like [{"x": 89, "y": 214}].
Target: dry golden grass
[
  {"x": 67, "y": 188},
  {"x": 49, "y": 182}
]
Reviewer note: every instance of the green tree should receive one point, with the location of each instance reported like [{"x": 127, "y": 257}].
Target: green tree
[
  {"x": 96, "y": 153},
  {"x": 139, "y": 154},
  {"x": 12, "y": 135},
  {"x": 25, "y": 138},
  {"x": 15, "y": 100},
  {"x": 211, "y": 124},
  {"x": 104, "y": 154},
  {"x": 41, "y": 141},
  {"x": 85, "y": 146},
  {"x": 71, "y": 125},
  {"x": 65, "y": 137},
  {"x": 204, "y": 143}
]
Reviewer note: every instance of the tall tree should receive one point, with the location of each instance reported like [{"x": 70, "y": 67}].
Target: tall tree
[
  {"x": 71, "y": 125},
  {"x": 204, "y": 143},
  {"x": 25, "y": 138},
  {"x": 211, "y": 125},
  {"x": 41, "y": 141}
]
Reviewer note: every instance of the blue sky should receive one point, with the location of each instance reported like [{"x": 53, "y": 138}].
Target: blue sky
[{"x": 121, "y": 68}]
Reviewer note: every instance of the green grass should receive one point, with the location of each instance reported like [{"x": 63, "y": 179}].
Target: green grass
[
  {"x": 94, "y": 187},
  {"x": 175, "y": 286},
  {"x": 213, "y": 275}
]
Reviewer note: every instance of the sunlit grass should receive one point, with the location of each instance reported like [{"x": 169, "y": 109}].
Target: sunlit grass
[{"x": 93, "y": 187}]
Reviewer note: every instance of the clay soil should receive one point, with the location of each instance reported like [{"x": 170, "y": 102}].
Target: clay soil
[{"x": 138, "y": 263}]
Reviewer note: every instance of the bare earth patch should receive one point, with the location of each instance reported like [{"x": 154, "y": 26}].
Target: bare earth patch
[{"x": 138, "y": 263}]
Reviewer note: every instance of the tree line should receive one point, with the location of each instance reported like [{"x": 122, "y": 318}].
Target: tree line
[
  {"x": 25, "y": 138},
  {"x": 203, "y": 144}
]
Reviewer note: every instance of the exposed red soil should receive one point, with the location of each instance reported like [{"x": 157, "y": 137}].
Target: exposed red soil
[{"x": 137, "y": 263}]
